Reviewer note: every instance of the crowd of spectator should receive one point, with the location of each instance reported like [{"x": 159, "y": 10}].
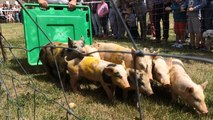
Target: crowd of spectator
[
  {"x": 191, "y": 19},
  {"x": 10, "y": 13}
]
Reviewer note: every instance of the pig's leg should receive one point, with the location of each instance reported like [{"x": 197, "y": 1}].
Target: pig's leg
[
  {"x": 125, "y": 94},
  {"x": 174, "y": 97},
  {"x": 73, "y": 82},
  {"x": 107, "y": 90}
]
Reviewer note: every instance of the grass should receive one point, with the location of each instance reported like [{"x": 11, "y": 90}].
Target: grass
[{"x": 91, "y": 104}]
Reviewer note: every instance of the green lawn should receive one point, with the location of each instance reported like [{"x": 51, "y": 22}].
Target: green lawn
[{"x": 91, "y": 104}]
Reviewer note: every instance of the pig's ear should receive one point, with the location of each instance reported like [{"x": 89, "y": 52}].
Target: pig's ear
[
  {"x": 65, "y": 59},
  {"x": 108, "y": 70},
  {"x": 156, "y": 52},
  {"x": 82, "y": 38},
  {"x": 146, "y": 50},
  {"x": 133, "y": 50},
  {"x": 169, "y": 62},
  {"x": 189, "y": 90},
  {"x": 123, "y": 64},
  {"x": 70, "y": 42},
  {"x": 203, "y": 85}
]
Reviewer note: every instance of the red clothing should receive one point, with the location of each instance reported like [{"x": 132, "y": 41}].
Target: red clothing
[{"x": 180, "y": 28}]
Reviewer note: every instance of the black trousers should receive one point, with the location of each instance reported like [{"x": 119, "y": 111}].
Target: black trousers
[{"x": 159, "y": 14}]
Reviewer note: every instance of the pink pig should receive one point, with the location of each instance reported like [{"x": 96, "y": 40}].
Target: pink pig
[
  {"x": 142, "y": 63},
  {"x": 183, "y": 86},
  {"x": 160, "y": 70}
]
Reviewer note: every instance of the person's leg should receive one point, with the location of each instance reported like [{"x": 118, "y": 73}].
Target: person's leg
[
  {"x": 121, "y": 28},
  {"x": 191, "y": 32},
  {"x": 156, "y": 21},
  {"x": 197, "y": 30},
  {"x": 94, "y": 24},
  {"x": 99, "y": 24},
  {"x": 176, "y": 31},
  {"x": 182, "y": 28},
  {"x": 143, "y": 27},
  {"x": 165, "y": 26},
  {"x": 192, "y": 39},
  {"x": 105, "y": 25},
  {"x": 113, "y": 22},
  {"x": 197, "y": 40},
  {"x": 152, "y": 25}
]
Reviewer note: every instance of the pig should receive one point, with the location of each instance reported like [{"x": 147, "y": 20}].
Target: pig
[
  {"x": 108, "y": 74},
  {"x": 183, "y": 86},
  {"x": 51, "y": 56},
  {"x": 161, "y": 69},
  {"x": 91, "y": 51},
  {"x": 142, "y": 63},
  {"x": 143, "y": 82}
]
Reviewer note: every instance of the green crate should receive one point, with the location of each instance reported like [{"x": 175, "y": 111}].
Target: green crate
[{"x": 58, "y": 22}]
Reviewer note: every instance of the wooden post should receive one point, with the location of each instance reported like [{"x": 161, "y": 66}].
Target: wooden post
[{"x": 2, "y": 47}]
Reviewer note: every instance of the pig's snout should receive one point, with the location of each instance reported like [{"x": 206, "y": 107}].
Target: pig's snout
[
  {"x": 202, "y": 112},
  {"x": 205, "y": 113},
  {"x": 166, "y": 85},
  {"x": 150, "y": 93},
  {"x": 124, "y": 84}
]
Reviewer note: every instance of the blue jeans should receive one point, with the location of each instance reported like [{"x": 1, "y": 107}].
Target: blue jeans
[
  {"x": 96, "y": 24},
  {"x": 116, "y": 24}
]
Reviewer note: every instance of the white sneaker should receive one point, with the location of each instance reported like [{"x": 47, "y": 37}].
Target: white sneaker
[
  {"x": 175, "y": 45},
  {"x": 179, "y": 45}
]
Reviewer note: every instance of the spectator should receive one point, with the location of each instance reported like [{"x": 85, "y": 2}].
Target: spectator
[
  {"x": 17, "y": 12},
  {"x": 102, "y": 11},
  {"x": 115, "y": 21},
  {"x": 44, "y": 3},
  {"x": 95, "y": 19},
  {"x": 159, "y": 13},
  {"x": 194, "y": 25},
  {"x": 2, "y": 16},
  {"x": 140, "y": 10},
  {"x": 10, "y": 15},
  {"x": 150, "y": 27},
  {"x": 207, "y": 15},
  {"x": 130, "y": 19},
  {"x": 6, "y": 13},
  {"x": 179, "y": 22}
]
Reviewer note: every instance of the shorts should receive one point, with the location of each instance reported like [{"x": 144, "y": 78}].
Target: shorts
[
  {"x": 180, "y": 28},
  {"x": 194, "y": 25}
]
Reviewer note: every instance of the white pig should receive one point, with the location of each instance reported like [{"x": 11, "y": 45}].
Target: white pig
[
  {"x": 161, "y": 69},
  {"x": 143, "y": 81},
  {"x": 183, "y": 86}
]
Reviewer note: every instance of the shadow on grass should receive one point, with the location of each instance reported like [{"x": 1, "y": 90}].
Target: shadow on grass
[{"x": 26, "y": 67}]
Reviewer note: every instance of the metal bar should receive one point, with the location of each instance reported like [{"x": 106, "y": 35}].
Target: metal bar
[
  {"x": 137, "y": 89},
  {"x": 2, "y": 47}
]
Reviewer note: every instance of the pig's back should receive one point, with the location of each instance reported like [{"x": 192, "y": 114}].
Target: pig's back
[
  {"x": 115, "y": 57},
  {"x": 91, "y": 68},
  {"x": 180, "y": 80}
]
